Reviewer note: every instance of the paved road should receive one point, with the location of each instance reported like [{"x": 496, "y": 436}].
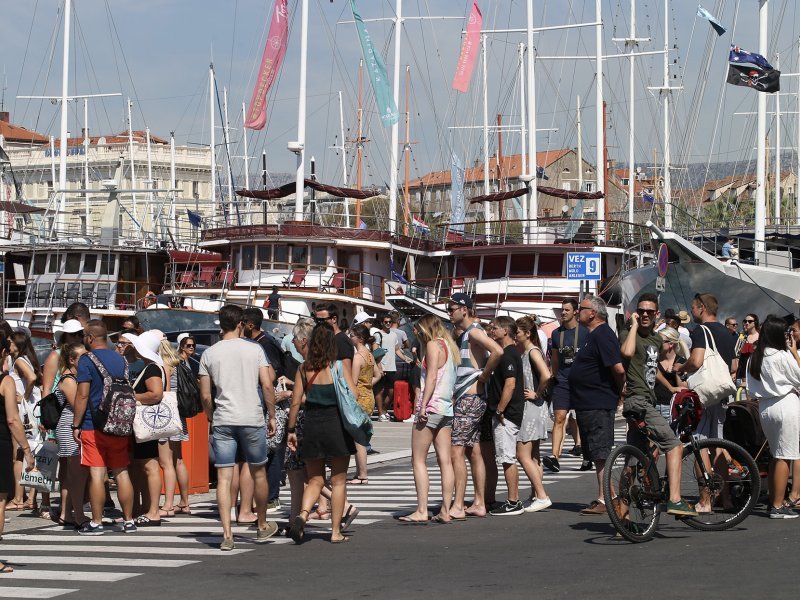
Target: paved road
[{"x": 552, "y": 554}]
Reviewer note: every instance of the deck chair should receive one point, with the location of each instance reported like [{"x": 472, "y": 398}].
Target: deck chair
[
  {"x": 101, "y": 295},
  {"x": 72, "y": 293},
  {"x": 206, "y": 275},
  {"x": 187, "y": 278},
  {"x": 58, "y": 294},
  {"x": 227, "y": 277},
  {"x": 42, "y": 295},
  {"x": 87, "y": 293},
  {"x": 296, "y": 278},
  {"x": 335, "y": 283}
]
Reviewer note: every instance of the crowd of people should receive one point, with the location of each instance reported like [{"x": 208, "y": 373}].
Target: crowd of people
[{"x": 484, "y": 395}]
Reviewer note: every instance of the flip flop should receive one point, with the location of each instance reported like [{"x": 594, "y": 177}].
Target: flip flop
[
  {"x": 5, "y": 568},
  {"x": 409, "y": 521},
  {"x": 341, "y": 541},
  {"x": 438, "y": 519},
  {"x": 16, "y": 506},
  {"x": 238, "y": 522},
  {"x": 165, "y": 512},
  {"x": 182, "y": 510},
  {"x": 350, "y": 516},
  {"x": 458, "y": 518},
  {"x": 358, "y": 481}
]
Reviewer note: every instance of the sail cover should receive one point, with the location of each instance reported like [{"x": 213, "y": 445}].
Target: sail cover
[
  {"x": 289, "y": 189},
  {"x": 548, "y": 191}
]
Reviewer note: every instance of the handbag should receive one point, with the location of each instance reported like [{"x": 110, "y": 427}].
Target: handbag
[
  {"x": 43, "y": 476},
  {"x": 712, "y": 381},
  {"x": 157, "y": 421},
  {"x": 50, "y": 411},
  {"x": 355, "y": 419}
]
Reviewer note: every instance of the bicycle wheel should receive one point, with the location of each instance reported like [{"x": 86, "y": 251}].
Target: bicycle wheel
[
  {"x": 631, "y": 486},
  {"x": 724, "y": 484}
]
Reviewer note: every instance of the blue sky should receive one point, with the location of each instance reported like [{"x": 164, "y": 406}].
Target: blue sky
[{"x": 158, "y": 51}]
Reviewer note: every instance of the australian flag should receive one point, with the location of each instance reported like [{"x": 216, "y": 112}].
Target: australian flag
[{"x": 737, "y": 55}]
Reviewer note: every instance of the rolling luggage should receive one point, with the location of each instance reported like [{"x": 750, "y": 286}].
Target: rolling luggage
[{"x": 402, "y": 401}]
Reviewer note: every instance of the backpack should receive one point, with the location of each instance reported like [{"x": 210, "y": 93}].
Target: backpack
[
  {"x": 188, "y": 392},
  {"x": 114, "y": 415},
  {"x": 49, "y": 411},
  {"x": 275, "y": 354}
]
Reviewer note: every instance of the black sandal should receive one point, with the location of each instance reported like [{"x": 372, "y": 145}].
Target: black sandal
[{"x": 297, "y": 530}]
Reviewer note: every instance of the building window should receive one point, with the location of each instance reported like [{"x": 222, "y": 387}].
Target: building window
[
  {"x": 39, "y": 263},
  {"x": 82, "y": 219},
  {"x": 588, "y": 186},
  {"x": 107, "y": 264},
  {"x": 195, "y": 189},
  {"x": 54, "y": 265}
]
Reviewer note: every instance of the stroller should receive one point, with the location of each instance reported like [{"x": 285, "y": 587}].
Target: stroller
[{"x": 743, "y": 426}]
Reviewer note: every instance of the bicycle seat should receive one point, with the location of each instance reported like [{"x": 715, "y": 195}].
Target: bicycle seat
[{"x": 634, "y": 414}]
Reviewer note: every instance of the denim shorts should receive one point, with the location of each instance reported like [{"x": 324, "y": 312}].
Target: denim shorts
[{"x": 251, "y": 441}]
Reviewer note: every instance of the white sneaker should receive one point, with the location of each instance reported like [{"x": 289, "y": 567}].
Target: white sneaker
[
  {"x": 537, "y": 504},
  {"x": 384, "y": 417}
]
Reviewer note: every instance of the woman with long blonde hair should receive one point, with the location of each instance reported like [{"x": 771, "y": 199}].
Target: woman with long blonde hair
[
  {"x": 434, "y": 416},
  {"x": 170, "y": 453}
]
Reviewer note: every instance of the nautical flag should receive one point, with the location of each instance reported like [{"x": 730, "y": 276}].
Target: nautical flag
[
  {"x": 361, "y": 224},
  {"x": 540, "y": 174},
  {"x": 761, "y": 80},
  {"x": 649, "y": 198},
  {"x": 195, "y": 219},
  {"x": 737, "y": 55},
  {"x": 395, "y": 275},
  {"x": 469, "y": 50},
  {"x": 377, "y": 72},
  {"x": 702, "y": 12},
  {"x": 274, "y": 51},
  {"x": 457, "y": 205},
  {"x": 420, "y": 226}
]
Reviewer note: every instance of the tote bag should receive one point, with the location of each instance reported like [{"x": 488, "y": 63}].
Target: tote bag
[
  {"x": 157, "y": 421},
  {"x": 43, "y": 475},
  {"x": 354, "y": 418},
  {"x": 712, "y": 381}
]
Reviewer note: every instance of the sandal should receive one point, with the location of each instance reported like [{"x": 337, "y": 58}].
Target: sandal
[
  {"x": 358, "y": 481},
  {"x": 166, "y": 512},
  {"x": 4, "y": 568},
  {"x": 182, "y": 510},
  {"x": 320, "y": 516},
  {"x": 145, "y": 521},
  {"x": 297, "y": 530},
  {"x": 14, "y": 505},
  {"x": 349, "y": 516},
  {"x": 341, "y": 541},
  {"x": 44, "y": 513}
]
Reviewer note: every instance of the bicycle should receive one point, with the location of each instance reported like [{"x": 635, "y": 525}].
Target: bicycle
[{"x": 717, "y": 476}]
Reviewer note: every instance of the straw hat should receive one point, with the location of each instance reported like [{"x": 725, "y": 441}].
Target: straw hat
[
  {"x": 684, "y": 317},
  {"x": 147, "y": 345},
  {"x": 671, "y": 335}
]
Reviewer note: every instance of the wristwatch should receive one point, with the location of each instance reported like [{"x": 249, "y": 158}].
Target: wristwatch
[
  {"x": 499, "y": 413},
  {"x": 75, "y": 427},
  {"x": 291, "y": 429}
]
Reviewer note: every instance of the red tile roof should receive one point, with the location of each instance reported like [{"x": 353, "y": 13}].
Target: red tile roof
[{"x": 17, "y": 134}]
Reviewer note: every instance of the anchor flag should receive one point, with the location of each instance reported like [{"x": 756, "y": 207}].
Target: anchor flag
[
  {"x": 702, "y": 12},
  {"x": 761, "y": 80},
  {"x": 469, "y": 50},
  {"x": 274, "y": 51},
  {"x": 377, "y": 72}
]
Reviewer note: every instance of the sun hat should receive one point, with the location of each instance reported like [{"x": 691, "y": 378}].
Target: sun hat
[
  {"x": 182, "y": 337},
  {"x": 684, "y": 317},
  {"x": 362, "y": 316},
  {"x": 146, "y": 345},
  {"x": 670, "y": 334},
  {"x": 70, "y": 326}
]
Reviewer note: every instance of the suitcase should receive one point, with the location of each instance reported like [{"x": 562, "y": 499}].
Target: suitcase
[{"x": 402, "y": 401}]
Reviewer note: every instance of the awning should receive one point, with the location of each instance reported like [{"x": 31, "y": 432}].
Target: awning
[
  {"x": 186, "y": 257},
  {"x": 19, "y": 207}
]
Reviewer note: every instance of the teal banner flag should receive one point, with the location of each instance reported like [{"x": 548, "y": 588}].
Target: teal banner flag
[{"x": 377, "y": 72}]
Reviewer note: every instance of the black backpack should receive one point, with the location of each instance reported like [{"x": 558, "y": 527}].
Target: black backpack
[
  {"x": 49, "y": 411},
  {"x": 188, "y": 392}
]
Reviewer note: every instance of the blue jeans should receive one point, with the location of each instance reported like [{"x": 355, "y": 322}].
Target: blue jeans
[{"x": 252, "y": 441}]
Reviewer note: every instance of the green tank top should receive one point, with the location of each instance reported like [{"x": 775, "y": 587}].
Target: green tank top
[{"x": 321, "y": 394}]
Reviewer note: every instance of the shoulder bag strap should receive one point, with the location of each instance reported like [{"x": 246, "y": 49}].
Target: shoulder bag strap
[
  {"x": 707, "y": 333},
  {"x": 575, "y": 341}
]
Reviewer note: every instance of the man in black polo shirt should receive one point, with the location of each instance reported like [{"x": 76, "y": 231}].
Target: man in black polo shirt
[{"x": 506, "y": 400}]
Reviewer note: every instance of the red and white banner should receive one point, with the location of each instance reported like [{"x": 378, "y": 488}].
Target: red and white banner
[
  {"x": 469, "y": 50},
  {"x": 274, "y": 51}
]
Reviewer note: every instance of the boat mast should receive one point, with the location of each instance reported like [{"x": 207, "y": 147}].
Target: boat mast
[
  {"x": 172, "y": 182},
  {"x": 226, "y": 136},
  {"x": 301, "y": 114},
  {"x": 150, "y": 199},
  {"x": 523, "y": 133},
  {"x": 246, "y": 157},
  {"x": 761, "y": 163},
  {"x": 359, "y": 138},
  {"x": 601, "y": 167},
  {"x": 398, "y": 24},
  {"x": 86, "y": 162},
  {"x": 667, "y": 158},
  {"x": 407, "y": 152},
  {"x": 62, "y": 177},
  {"x": 533, "y": 167},
  {"x": 487, "y": 213},
  {"x": 778, "y": 207},
  {"x": 343, "y": 149},
  {"x": 797, "y": 172},
  {"x": 580, "y": 145},
  {"x": 130, "y": 149},
  {"x": 212, "y": 143}
]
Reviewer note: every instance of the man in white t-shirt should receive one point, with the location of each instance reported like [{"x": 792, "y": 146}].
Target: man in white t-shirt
[
  {"x": 236, "y": 367},
  {"x": 387, "y": 339}
]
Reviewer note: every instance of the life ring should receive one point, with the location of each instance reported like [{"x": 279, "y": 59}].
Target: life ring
[{"x": 149, "y": 299}]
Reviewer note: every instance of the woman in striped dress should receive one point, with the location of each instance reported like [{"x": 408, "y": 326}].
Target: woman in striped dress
[{"x": 76, "y": 474}]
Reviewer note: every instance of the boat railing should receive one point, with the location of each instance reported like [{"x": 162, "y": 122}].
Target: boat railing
[
  {"x": 437, "y": 290},
  {"x": 96, "y": 293}
]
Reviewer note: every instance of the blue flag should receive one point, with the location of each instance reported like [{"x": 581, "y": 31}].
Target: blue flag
[
  {"x": 739, "y": 56},
  {"x": 540, "y": 174},
  {"x": 195, "y": 219},
  {"x": 457, "y": 205},
  {"x": 649, "y": 198},
  {"x": 702, "y": 12},
  {"x": 377, "y": 72}
]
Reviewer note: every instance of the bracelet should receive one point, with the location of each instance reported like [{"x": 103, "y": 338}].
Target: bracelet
[
  {"x": 291, "y": 429},
  {"x": 75, "y": 427}
]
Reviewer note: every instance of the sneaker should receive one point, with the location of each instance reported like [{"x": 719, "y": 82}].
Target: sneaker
[
  {"x": 508, "y": 508},
  {"x": 551, "y": 462},
  {"x": 384, "y": 417},
  {"x": 576, "y": 451},
  {"x": 371, "y": 451},
  {"x": 129, "y": 527},
  {"x": 91, "y": 529},
  {"x": 784, "y": 512},
  {"x": 274, "y": 506},
  {"x": 537, "y": 504},
  {"x": 264, "y": 534},
  {"x": 682, "y": 509},
  {"x": 227, "y": 544},
  {"x": 595, "y": 508},
  {"x": 586, "y": 465}
]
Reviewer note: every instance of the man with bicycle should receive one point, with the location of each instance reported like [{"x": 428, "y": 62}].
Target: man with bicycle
[{"x": 640, "y": 350}]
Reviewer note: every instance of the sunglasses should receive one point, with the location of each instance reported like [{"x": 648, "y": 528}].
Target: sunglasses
[
  {"x": 645, "y": 311},
  {"x": 189, "y": 346},
  {"x": 387, "y": 322},
  {"x": 580, "y": 308},
  {"x": 748, "y": 320},
  {"x": 452, "y": 309}
]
